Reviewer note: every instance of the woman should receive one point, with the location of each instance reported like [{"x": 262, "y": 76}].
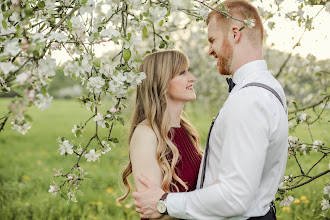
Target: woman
[{"x": 164, "y": 146}]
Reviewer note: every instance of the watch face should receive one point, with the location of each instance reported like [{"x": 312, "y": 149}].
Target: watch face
[{"x": 161, "y": 207}]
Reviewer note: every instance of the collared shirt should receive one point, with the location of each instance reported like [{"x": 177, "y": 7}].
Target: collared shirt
[{"x": 247, "y": 154}]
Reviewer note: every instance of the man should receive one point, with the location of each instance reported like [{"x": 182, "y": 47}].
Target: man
[{"x": 247, "y": 151}]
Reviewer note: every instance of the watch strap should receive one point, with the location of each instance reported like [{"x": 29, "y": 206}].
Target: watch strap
[{"x": 164, "y": 196}]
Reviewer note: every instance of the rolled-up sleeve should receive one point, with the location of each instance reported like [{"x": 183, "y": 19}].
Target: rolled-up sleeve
[{"x": 245, "y": 137}]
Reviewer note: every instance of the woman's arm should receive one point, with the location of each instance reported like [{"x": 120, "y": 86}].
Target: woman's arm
[{"x": 143, "y": 158}]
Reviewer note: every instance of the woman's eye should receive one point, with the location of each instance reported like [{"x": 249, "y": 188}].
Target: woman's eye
[{"x": 183, "y": 72}]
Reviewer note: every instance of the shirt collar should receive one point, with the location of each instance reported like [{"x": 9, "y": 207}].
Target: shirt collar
[{"x": 246, "y": 69}]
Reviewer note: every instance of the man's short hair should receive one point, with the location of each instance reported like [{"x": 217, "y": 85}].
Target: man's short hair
[{"x": 238, "y": 9}]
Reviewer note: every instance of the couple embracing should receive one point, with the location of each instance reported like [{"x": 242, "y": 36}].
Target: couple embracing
[{"x": 244, "y": 160}]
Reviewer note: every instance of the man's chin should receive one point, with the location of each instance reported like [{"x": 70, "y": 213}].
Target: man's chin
[{"x": 223, "y": 73}]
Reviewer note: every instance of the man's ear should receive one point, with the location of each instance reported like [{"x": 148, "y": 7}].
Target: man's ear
[{"x": 236, "y": 34}]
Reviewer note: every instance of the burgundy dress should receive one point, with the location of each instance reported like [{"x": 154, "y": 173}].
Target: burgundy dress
[{"x": 189, "y": 161}]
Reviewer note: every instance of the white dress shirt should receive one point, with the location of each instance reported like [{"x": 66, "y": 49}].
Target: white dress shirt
[{"x": 247, "y": 153}]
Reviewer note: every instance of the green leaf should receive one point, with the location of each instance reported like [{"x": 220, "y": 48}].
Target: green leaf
[
  {"x": 97, "y": 63},
  {"x": 295, "y": 105},
  {"x": 129, "y": 35},
  {"x": 41, "y": 4},
  {"x": 127, "y": 54},
  {"x": 150, "y": 21},
  {"x": 161, "y": 23},
  {"x": 145, "y": 32},
  {"x": 28, "y": 118},
  {"x": 114, "y": 140},
  {"x": 3, "y": 7},
  {"x": 69, "y": 23},
  {"x": 167, "y": 37},
  {"x": 4, "y": 24},
  {"x": 241, "y": 28},
  {"x": 162, "y": 45},
  {"x": 83, "y": 2},
  {"x": 121, "y": 120},
  {"x": 78, "y": 133},
  {"x": 18, "y": 31}
]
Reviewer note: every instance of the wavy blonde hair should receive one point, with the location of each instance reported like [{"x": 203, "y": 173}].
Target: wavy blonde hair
[{"x": 151, "y": 105}]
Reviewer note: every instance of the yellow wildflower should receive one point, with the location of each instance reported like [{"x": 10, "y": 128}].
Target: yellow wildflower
[
  {"x": 296, "y": 201},
  {"x": 127, "y": 206},
  {"x": 303, "y": 198},
  {"x": 99, "y": 203},
  {"x": 306, "y": 201},
  {"x": 38, "y": 162},
  {"x": 109, "y": 190},
  {"x": 118, "y": 204},
  {"x": 26, "y": 177},
  {"x": 286, "y": 209}
]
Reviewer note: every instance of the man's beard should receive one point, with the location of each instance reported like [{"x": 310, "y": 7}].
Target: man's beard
[{"x": 225, "y": 58}]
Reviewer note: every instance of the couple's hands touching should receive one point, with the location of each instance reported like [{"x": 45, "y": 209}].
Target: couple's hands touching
[{"x": 146, "y": 201}]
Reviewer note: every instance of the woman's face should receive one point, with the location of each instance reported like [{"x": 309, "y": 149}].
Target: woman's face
[{"x": 181, "y": 87}]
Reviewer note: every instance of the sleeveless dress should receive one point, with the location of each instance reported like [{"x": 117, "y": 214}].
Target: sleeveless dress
[{"x": 189, "y": 161}]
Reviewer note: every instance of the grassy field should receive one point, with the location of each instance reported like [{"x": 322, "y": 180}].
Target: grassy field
[{"x": 27, "y": 163}]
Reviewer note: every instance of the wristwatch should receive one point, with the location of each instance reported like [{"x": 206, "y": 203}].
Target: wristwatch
[{"x": 161, "y": 204}]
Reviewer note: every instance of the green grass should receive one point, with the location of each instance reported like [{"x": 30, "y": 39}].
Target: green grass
[{"x": 27, "y": 162}]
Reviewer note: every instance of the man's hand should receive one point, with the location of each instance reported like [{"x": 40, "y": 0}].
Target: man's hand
[{"x": 146, "y": 202}]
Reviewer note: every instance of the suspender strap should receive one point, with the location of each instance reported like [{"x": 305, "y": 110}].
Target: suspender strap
[
  {"x": 266, "y": 87},
  {"x": 206, "y": 153},
  {"x": 208, "y": 136}
]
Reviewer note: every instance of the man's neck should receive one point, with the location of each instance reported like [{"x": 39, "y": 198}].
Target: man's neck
[{"x": 245, "y": 55}]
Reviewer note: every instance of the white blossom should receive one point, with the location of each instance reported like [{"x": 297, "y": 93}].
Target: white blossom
[
  {"x": 110, "y": 32},
  {"x": 271, "y": 25},
  {"x": 75, "y": 128},
  {"x": 7, "y": 67},
  {"x": 106, "y": 147},
  {"x": 60, "y": 37},
  {"x": 22, "y": 78},
  {"x": 43, "y": 102},
  {"x": 65, "y": 147},
  {"x": 92, "y": 156},
  {"x": 21, "y": 128},
  {"x": 12, "y": 48},
  {"x": 100, "y": 120},
  {"x": 88, "y": 7},
  {"x": 78, "y": 27},
  {"x": 95, "y": 84},
  {"x": 302, "y": 117},
  {"x": 326, "y": 190},
  {"x": 157, "y": 14},
  {"x": 317, "y": 145},
  {"x": 327, "y": 7},
  {"x": 286, "y": 201},
  {"x": 293, "y": 140},
  {"x": 3, "y": 85},
  {"x": 53, "y": 189},
  {"x": 203, "y": 12},
  {"x": 47, "y": 66},
  {"x": 325, "y": 204},
  {"x": 39, "y": 38}
]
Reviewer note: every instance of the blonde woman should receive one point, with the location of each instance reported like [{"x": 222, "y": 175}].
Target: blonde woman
[{"x": 164, "y": 146}]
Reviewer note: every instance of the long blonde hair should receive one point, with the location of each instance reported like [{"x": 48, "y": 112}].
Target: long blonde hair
[{"x": 151, "y": 105}]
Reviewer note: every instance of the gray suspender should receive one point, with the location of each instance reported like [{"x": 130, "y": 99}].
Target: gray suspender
[
  {"x": 268, "y": 88},
  {"x": 208, "y": 136}
]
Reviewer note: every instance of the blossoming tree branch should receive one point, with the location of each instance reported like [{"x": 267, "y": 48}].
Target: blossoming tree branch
[{"x": 31, "y": 30}]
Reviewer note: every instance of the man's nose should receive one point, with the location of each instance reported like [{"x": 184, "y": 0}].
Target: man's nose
[{"x": 211, "y": 51}]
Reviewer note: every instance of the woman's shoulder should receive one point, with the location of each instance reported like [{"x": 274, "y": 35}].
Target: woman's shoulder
[{"x": 144, "y": 133}]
